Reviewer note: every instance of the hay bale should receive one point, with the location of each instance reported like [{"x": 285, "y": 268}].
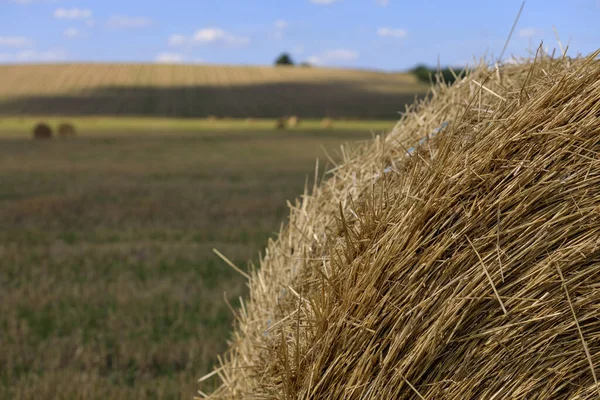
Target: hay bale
[
  {"x": 281, "y": 123},
  {"x": 211, "y": 118},
  {"x": 293, "y": 121},
  {"x": 42, "y": 131},
  {"x": 66, "y": 130},
  {"x": 250, "y": 121},
  {"x": 469, "y": 268},
  {"x": 327, "y": 123}
]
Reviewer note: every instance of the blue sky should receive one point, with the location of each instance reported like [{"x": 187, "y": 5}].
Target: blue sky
[{"x": 378, "y": 34}]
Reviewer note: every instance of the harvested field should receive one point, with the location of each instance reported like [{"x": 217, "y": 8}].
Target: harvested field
[
  {"x": 467, "y": 267},
  {"x": 109, "y": 288},
  {"x": 202, "y": 91}
]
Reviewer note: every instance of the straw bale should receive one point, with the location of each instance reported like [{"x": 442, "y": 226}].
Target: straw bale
[
  {"x": 293, "y": 121},
  {"x": 467, "y": 268},
  {"x": 327, "y": 122},
  {"x": 281, "y": 123},
  {"x": 66, "y": 129},
  {"x": 42, "y": 131}
]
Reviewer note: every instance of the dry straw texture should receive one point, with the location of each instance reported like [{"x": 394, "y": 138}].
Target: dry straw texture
[{"x": 470, "y": 270}]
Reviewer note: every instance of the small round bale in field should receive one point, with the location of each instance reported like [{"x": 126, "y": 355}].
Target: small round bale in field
[
  {"x": 293, "y": 121},
  {"x": 42, "y": 131},
  {"x": 250, "y": 121},
  {"x": 66, "y": 130},
  {"x": 327, "y": 123},
  {"x": 281, "y": 123}
]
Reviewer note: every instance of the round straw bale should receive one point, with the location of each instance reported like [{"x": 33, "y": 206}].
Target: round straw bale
[
  {"x": 42, "y": 131},
  {"x": 293, "y": 121},
  {"x": 327, "y": 123},
  {"x": 66, "y": 129},
  {"x": 458, "y": 257},
  {"x": 280, "y": 123}
]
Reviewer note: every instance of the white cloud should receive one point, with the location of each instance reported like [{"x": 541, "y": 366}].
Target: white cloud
[
  {"x": 122, "y": 21},
  {"x": 281, "y": 24},
  {"x": 72, "y": 13},
  {"x": 214, "y": 35},
  {"x": 323, "y": 2},
  {"x": 177, "y": 40},
  {"x": 382, "y": 3},
  {"x": 528, "y": 32},
  {"x": 27, "y": 56},
  {"x": 392, "y": 32},
  {"x": 208, "y": 36},
  {"x": 333, "y": 57},
  {"x": 72, "y": 33},
  {"x": 169, "y": 58},
  {"x": 15, "y": 41}
]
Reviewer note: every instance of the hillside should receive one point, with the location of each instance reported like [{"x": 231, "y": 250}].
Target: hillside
[{"x": 202, "y": 90}]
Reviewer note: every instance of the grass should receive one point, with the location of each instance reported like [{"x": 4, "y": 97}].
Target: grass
[
  {"x": 108, "y": 285},
  {"x": 103, "y": 127}
]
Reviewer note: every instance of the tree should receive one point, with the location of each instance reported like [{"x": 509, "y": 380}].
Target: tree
[{"x": 284, "y": 59}]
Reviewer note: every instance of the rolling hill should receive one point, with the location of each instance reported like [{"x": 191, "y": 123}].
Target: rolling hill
[{"x": 203, "y": 90}]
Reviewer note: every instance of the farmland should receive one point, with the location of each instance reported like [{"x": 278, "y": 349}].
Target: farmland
[
  {"x": 109, "y": 287},
  {"x": 199, "y": 91}
]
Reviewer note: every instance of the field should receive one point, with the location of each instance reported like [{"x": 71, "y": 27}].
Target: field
[
  {"x": 188, "y": 91},
  {"x": 108, "y": 284}
]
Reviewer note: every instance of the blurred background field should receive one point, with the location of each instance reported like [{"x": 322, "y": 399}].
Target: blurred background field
[
  {"x": 109, "y": 287},
  {"x": 202, "y": 91}
]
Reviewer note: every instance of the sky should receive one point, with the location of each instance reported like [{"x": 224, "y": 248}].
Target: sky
[{"x": 387, "y": 35}]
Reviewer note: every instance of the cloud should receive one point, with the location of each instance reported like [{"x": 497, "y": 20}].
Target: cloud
[
  {"x": 72, "y": 33},
  {"x": 122, "y": 21},
  {"x": 391, "y": 32},
  {"x": 323, "y": 2},
  {"x": 333, "y": 57},
  {"x": 27, "y": 56},
  {"x": 208, "y": 36},
  {"x": 382, "y": 3},
  {"x": 15, "y": 41},
  {"x": 213, "y": 35},
  {"x": 528, "y": 32},
  {"x": 281, "y": 24},
  {"x": 169, "y": 58},
  {"x": 72, "y": 13}
]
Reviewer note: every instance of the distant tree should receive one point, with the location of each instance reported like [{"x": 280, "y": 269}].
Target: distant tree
[
  {"x": 423, "y": 73},
  {"x": 284, "y": 59}
]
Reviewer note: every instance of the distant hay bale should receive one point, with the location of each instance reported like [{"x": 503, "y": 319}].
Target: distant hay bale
[
  {"x": 293, "y": 121},
  {"x": 211, "y": 118},
  {"x": 457, "y": 257},
  {"x": 250, "y": 121},
  {"x": 42, "y": 131},
  {"x": 281, "y": 123},
  {"x": 66, "y": 130},
  {"x": 327, "y": 122}
]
